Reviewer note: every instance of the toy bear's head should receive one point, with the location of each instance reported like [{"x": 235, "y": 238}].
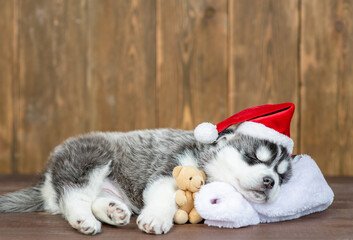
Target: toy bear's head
[{"x": 189, "y": 178}]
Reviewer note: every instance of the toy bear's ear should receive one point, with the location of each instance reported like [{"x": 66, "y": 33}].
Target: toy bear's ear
[
  {"x": 176, "y": 171},
  {"x": 203, "y": 175}
]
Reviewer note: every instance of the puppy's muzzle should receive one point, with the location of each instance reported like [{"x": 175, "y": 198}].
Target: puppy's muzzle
[{"x": 268, "y": 182}]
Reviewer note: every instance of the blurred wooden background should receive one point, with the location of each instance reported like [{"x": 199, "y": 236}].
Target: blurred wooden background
[{"x": 73, "y": 66}]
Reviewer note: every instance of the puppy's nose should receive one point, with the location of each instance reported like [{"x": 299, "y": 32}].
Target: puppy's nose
[{"x": 268, "y": 182}]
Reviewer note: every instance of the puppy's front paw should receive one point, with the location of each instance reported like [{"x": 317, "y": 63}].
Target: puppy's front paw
[{"x": 154, "y": 223}]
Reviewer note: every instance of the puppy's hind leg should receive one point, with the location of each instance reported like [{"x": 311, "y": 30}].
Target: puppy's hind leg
[
  {"x": 158, "y": 213},
  {"x": 75, "y": 203},
  {"x": 76, "y": 208}
]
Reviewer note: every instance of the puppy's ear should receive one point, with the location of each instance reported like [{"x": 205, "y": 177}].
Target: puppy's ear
[
  {"x": 295, "y": 158},
  {"x": 225, "y": 135},
  {"x": 176, "y": 171}
]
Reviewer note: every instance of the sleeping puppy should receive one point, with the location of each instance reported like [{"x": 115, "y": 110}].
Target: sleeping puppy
[{"x": 106, "y": 177}]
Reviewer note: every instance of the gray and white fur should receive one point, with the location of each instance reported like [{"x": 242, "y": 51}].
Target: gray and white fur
[{"x": 106, "y": 177}]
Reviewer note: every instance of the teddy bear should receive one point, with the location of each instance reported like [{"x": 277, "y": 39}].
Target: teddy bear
[{"x": 189, "y": 180}]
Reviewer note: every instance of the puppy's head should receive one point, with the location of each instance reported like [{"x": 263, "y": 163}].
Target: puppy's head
[{"x": 254, "y": 166}]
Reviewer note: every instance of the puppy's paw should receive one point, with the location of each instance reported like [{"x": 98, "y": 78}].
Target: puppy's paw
[
  {"x": 87, "y": 225},
  {"x": 119, "y": 214},
  {"x": 111, "y": 211},
  {"x": 153, "y": 223}
]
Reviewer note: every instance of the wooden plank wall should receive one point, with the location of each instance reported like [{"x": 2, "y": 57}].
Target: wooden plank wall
[
  {"x": 327, "y": 84},
  {"x": 70, "y": 67}
]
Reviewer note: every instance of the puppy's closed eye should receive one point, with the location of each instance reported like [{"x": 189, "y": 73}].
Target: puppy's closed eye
[
  {"x": 283, "y": 167},
  {"x": 263, "y": 154}
]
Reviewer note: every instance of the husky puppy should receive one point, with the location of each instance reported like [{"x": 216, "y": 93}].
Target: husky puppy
[{"x": 106, "y": 177}]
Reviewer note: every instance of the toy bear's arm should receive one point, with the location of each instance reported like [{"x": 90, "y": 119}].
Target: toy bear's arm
[
  {"x": 194, "y": 195},
  {"x": 180, "y": 198}
]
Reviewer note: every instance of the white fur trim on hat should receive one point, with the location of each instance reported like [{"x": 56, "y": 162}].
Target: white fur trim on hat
[
  {"x": 259, "y": 130},
  {"x": 206, "y": 133}
]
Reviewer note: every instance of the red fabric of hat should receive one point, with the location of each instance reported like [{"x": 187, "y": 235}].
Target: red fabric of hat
[
  {"x": 270, "y": 122},
  {"x": 275, "y": 116}
]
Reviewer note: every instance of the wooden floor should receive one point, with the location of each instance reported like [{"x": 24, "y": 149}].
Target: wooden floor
[{"x": 334, "y": 223}]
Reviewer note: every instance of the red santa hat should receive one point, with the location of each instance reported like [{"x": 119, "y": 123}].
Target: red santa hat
[{"x": 269, "y": 122}]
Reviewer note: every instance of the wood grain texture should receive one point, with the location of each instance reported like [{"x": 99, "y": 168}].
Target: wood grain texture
[
  {"x": 122, "y": 75},
  {"x": 263, "y": 54},
  {"x": 7, "y": 41},
  {"x": 68, "y": 67},
  {"x": 191, "y": 62},
  {"x": 52, "y": 58},
  {"x": 334, "y": 223},
  {"x": 327, "y": 80}
]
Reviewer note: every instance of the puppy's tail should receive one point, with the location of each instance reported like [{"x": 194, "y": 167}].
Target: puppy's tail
[{"x": 25, "y": 200}]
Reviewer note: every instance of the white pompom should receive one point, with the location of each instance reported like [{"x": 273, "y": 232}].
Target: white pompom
[{"x": 206, "y": 133}]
